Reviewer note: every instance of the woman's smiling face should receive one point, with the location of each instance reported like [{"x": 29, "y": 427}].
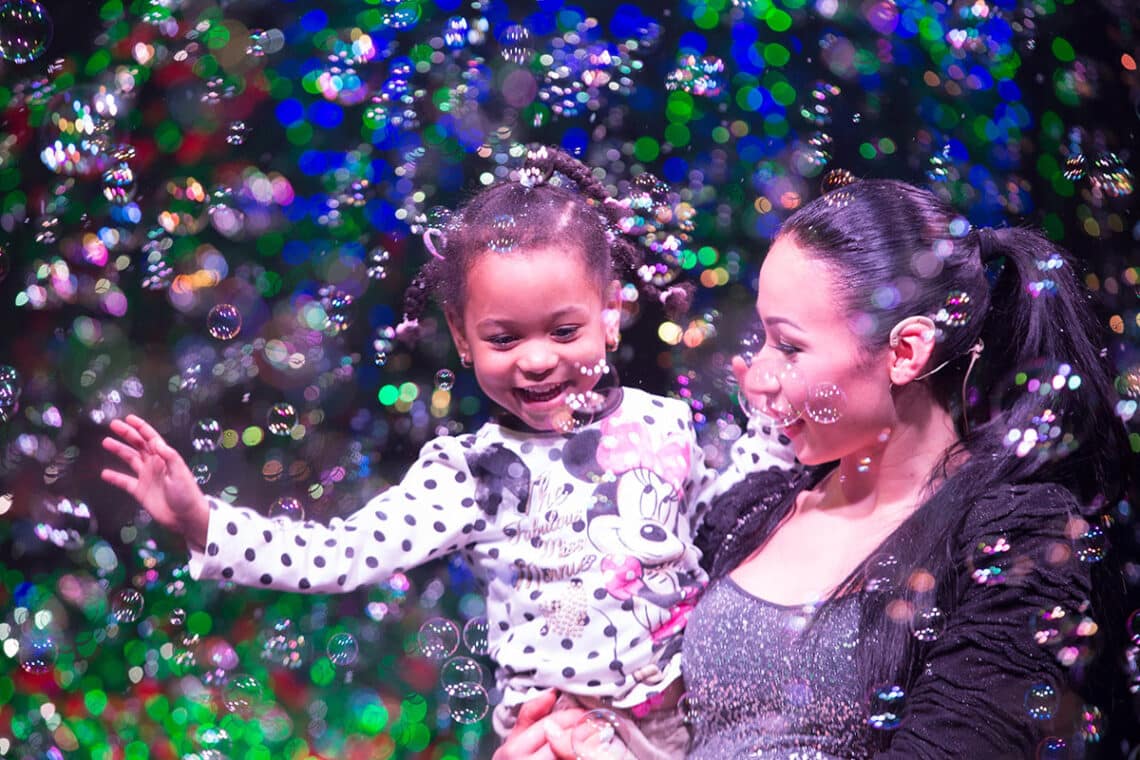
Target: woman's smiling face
[{"x": 807, "y": 336}]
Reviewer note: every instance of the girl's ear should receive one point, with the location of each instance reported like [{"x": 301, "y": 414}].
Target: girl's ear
[
  {"x": 611, "y": 314},
  {"x": 455, "y": 325}
]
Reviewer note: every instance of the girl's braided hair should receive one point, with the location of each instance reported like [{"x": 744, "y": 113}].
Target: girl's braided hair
[{"x": 536, "y": 210}]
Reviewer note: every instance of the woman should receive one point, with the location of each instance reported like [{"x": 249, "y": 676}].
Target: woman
[{"x": 918, "y": 590}]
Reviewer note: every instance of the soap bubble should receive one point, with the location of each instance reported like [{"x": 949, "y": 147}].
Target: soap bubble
[
  {"x": 224, "y": 321},
  {"x": 458, "y": 672},
  {"x": 475, "y": 636},
  {"x": 438, "y": 638},
  {"x": 1053, "y": 748},
  {"x": 243, "y": 694},
  {"x": 991, "y": 561},
  {"x": 38, "y": 652},
  {"x": 127, "y": 606},
  {"x": 343, "y": 649},
  {"x": 378, "y": 263},
  {"x": 287, "y": 508},
  {"x": 205, "y": 434},
  {"x": 65, "y": 523},
  {"x": 597, "y": 734},
  {"x": 284, "y": 645},
  {"x": 517, "y": 45},
  {"x": 281, "y": 418},
  {"x": 25, "y": 30},
  {"x": 445, "y": 379},
  {"x": 779, "y": 387},
  {"x": 882, "y": 574},
  {"x": 81, "y": 130},
  {"x": 1041, "y": 701},
  {"x": 886, "y": 708},
  {"x": 119, "y": 184},
  {"x": 928, "y": 624},
  {"x": 826, "y": 403},
  {"x": 468, "y": 703},
  {"x": 1091, "y": 545},
  {"x": 455, "y": 32}
]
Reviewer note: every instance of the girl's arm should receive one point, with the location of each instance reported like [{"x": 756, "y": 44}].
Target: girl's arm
[
  {"x": 430, "y": 513},
  {"x": 988, "y": 688}
]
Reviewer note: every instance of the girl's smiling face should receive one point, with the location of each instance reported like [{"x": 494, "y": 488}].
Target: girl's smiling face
[
  {"x": 805, "y": 318},
  {"x": 532, "y": 321}
]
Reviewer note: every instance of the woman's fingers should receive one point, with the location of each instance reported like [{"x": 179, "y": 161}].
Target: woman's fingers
[
  {"x": 536, "y": 709},
  {"x": 524, "y": 744},
  {"x": 120, "y": 480},
  {"x": 559, "y": 735}
]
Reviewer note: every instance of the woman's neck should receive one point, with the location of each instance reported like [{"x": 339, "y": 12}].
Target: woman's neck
[{"x": 892, "y": 475}]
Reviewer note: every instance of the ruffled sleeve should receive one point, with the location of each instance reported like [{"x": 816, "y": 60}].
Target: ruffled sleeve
[{"x": 987, "y": 688}]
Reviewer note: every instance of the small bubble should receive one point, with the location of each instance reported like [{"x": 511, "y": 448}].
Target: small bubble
[
  {"x": 1041, "y": 701},
  {"x": 281, "y": 419},
  {"x": 444, "y": 379},
  {"x": 343, "y": 649},
  {"x": 475, "y": 636},
  {"x": 25, "y": 30},
  {"x": 378, "y": 261},
  {"x": 991, "y": 561},
  {"x": 438, "y": 638},
  {"x": 886, "y": 708},
  {"x": 224, "y": 321},
  {"x": 127, "y": 606},
  {"x": 768, "y": 390},
  {"x": 177, "y": 617},
  {"x": 928, "y": 624},
  {"x": 287, "y": 508},
  {"x": 517, "y": 46},
  {"x": 882, "y": 574},
  {"x": 468, "y": 703},
  {"x": 38, "y": 652},
  {"x": 1091, "y": 545},
  {"x": 237, "y": 132},
  {"x": 205, "y": 434},
  {"x": 119, "y": 184},
  {"x": 1053, "y": 748},
  {"x": 597, "y": 734},
  {"x": 243, "y": 694},
  {"x": 835, "y": 179},
  {"x": 457, "y": 672}
]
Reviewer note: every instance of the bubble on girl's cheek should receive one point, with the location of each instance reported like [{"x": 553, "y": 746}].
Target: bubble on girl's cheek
[
  {"x": 224, "y": 321},
  {"x": 826, "y": 403},
  {"x": 886, "y": 707},
  {"x": 776, "y": 385},
  {"x": 864, "y": 465},
  {"x": 597, "y": 734}
]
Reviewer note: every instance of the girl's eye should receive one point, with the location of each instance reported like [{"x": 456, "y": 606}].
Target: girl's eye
[
  {"x": 565, "y": 332},
  {"x": 501, "y": 341},
  {"x": 786, "y": 348}
]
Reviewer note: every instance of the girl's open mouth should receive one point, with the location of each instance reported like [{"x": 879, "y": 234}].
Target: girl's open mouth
[{"x": 538, "y": 394}]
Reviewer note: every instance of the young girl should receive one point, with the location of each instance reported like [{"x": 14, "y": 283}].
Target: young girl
[{"x": 575, "y": 508}]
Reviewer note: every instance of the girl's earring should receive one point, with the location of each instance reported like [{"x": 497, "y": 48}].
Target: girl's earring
[
  {"x": 612, "y": 343},
  {"x": 465, "y": 360}
]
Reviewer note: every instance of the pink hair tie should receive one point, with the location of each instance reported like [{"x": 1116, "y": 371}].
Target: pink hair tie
[{"x": 429, "y": 244}]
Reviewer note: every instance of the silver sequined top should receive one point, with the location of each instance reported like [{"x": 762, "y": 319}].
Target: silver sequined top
[{"x": 766, "y": 682}]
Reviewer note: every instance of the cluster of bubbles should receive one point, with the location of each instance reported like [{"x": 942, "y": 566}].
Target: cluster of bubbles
[{"x": 462, "y": 678}]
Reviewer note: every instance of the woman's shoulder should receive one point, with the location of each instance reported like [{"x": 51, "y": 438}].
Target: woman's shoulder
[{"x": 1021, "y": 503}]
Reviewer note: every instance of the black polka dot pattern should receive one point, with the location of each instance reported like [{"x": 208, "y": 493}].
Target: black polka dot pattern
[{"x": 567, "y": 605}]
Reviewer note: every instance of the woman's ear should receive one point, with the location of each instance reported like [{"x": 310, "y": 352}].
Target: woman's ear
[
  {"x": 455, "y": 325},
  {"x": 911, "y": 345}
]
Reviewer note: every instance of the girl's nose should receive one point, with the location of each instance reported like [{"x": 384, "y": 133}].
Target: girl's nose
[{"x": 537, "y": 359}]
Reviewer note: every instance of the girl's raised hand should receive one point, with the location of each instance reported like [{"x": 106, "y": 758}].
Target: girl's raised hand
[{"x": 161, "y": 481}]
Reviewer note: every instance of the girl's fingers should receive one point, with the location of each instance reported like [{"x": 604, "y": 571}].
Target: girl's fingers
[
  {"x": 528, "y": 743},
  {"x": 559, "y": 739},
  {"x": 149, "y": 434},
  {"x": 120, "y": 480},
  {"x": 124, "y": 452},
  {"x": 127, "y": 433}
]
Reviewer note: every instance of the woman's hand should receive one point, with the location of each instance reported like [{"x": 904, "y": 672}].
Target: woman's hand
[
  {"x": 540, "y": 732},
  {"x": 162, "y": 483}
]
